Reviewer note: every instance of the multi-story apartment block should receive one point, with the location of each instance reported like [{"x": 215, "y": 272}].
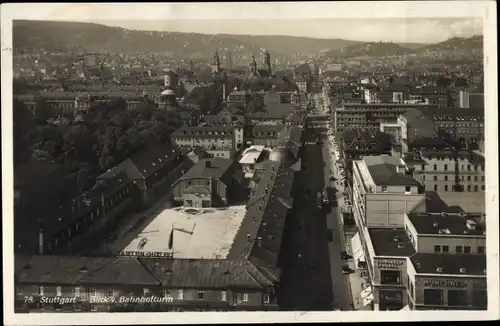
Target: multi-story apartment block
[
  {"x": 383, "y": 191},
  {"x": 437, "y": 170},
  {"x": 368, "y": 116},
  {"x": 217, "y": 140}
]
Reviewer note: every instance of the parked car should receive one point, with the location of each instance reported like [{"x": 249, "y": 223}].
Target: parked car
[{"x": 347, "y": 270}]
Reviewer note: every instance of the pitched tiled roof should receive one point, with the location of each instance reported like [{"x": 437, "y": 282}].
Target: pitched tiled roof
[{"x": 174, "y": 273}]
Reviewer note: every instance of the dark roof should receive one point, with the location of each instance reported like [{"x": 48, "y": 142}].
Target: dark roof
[
  {"x": 449, "y": 223},
  {"x": 170, "y": 273},
  {"x": 216, "y": 168},
  {"x": 81, "y": 205},
  {"x": 391, "y": 242},
  {"x": 259, "y": 238},
  {"x": 216, "y": 130},
  {"x": 383, "y": 171},
  {"x": 472, "y": 157},
  {"x": 144, "y": 163},
  {"x": 268, "y": 128},
  {"x": 428, "y": 263}
]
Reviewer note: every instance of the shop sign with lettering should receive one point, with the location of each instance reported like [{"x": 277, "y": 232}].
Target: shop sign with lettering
[
  {"x": 390, "y": 263},
  {"x": 446, "y": 284},
  {"x": 478, "y": 285}
]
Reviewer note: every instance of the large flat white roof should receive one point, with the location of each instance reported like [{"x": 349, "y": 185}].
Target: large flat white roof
[
  {"x": 250, "y": 158},
  {"x": 254, "y": 148},
  {"x": 208, "y": 234}
]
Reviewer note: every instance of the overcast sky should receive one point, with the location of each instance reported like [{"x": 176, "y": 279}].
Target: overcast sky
[
  {"x": 396, "y": 30},
  {"x": 398, "y": 21}
]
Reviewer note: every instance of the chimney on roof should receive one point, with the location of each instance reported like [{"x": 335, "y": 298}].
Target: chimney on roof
[{"x": 40, "y": 241}]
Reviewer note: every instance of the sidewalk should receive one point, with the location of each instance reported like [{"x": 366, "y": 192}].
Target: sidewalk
[{"x": 355, "y": 279}]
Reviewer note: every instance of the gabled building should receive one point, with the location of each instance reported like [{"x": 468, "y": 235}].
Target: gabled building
[
  {"x": 152, "y": 170},
  {"x": 210, "y": 182}
]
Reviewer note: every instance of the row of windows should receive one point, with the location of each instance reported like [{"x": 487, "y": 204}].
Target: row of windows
[
  {"x": 469, "y": 188},
  {"x": 458, "y": 249},
  {"x": 445, "y": 178},
  {"x": 110, "y": 292},
  {"x": 455, "y": 297},
  {"x": 469, "y": 166}
]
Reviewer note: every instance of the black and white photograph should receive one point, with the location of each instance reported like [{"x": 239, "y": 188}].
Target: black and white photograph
[{"x": 249, "y": 162}]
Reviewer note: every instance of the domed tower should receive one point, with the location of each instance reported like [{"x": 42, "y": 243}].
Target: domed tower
[{"x": 168, "y": 100}]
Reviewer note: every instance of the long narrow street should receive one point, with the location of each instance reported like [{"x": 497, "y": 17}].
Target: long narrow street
[{"x": 312, "y": 277}]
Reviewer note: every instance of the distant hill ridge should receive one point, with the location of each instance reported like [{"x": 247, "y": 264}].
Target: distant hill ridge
[{"x": 52, "y": 36}]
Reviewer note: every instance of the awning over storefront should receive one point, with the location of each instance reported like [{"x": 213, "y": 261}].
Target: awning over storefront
[
  {"x": 366, "y": 292},
  {"x": 357, "y": 248},
  {"x": 368, "y": 300}
]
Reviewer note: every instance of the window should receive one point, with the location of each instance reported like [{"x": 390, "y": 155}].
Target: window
[
  {"x": 435, "y": 167},
  {"x": 469, "y": 188},
  {"x": 482, "y": 167},
  {"x": 476, "y": 188},
  {"x": 58, "y": 291},
  {"x": 468, "y": 178},
  {"x": 164, "y": 293},
  {"x": 110, "y": 292},
  {"x": 435, "y": 188},
  {"x": 446, "y": 188},
  {"x": 476, "y": 178},
  {"x": 433, "y": 297},
  {"x": 92, "y": 292},
  {"x": 480, "y": 299},
  {"x": 245, "y": 297},
  {"x": 180, "y": 294},
  {"x": 435, "y": 178},
  {"x": 76, "y": 291},
  {"x": 480, "y": 250},
  {"x": 200, "y": 295},
  {"x": 446, "y": 249},
  {"x": 445, "y": 178},
  {"x": 482, "y": 178},
  {"x": 446, "y": 167},
  {"x": 467, "y": 249},
  {"x": 384, "y": 188},
  {"x": 390, "y": 277},
  {"x": 40, "y": 290},
  {"x": 457, "y": 298},
  {"x": 93, "y": 307},
  {"x": 482, "y": 188},
  {"x": 423, "y": 167},
  {"x": 266, "y": 298},
  {"x": 468, "y": 167},
  {"x": 458, "y": 249},
  {"x": 223, "y": 296},
  {"x": 437, "y": 248},
  {"x": 145, "y": 291},
  {"x": 475, "y": 168},
  {"x": 407, "y": 189}
]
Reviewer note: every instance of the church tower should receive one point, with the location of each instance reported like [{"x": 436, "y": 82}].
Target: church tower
[
  {"x": 253, "y": 65},
  {"x": 267, "y": 59},
  {"x": 216, "y": 64}
]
